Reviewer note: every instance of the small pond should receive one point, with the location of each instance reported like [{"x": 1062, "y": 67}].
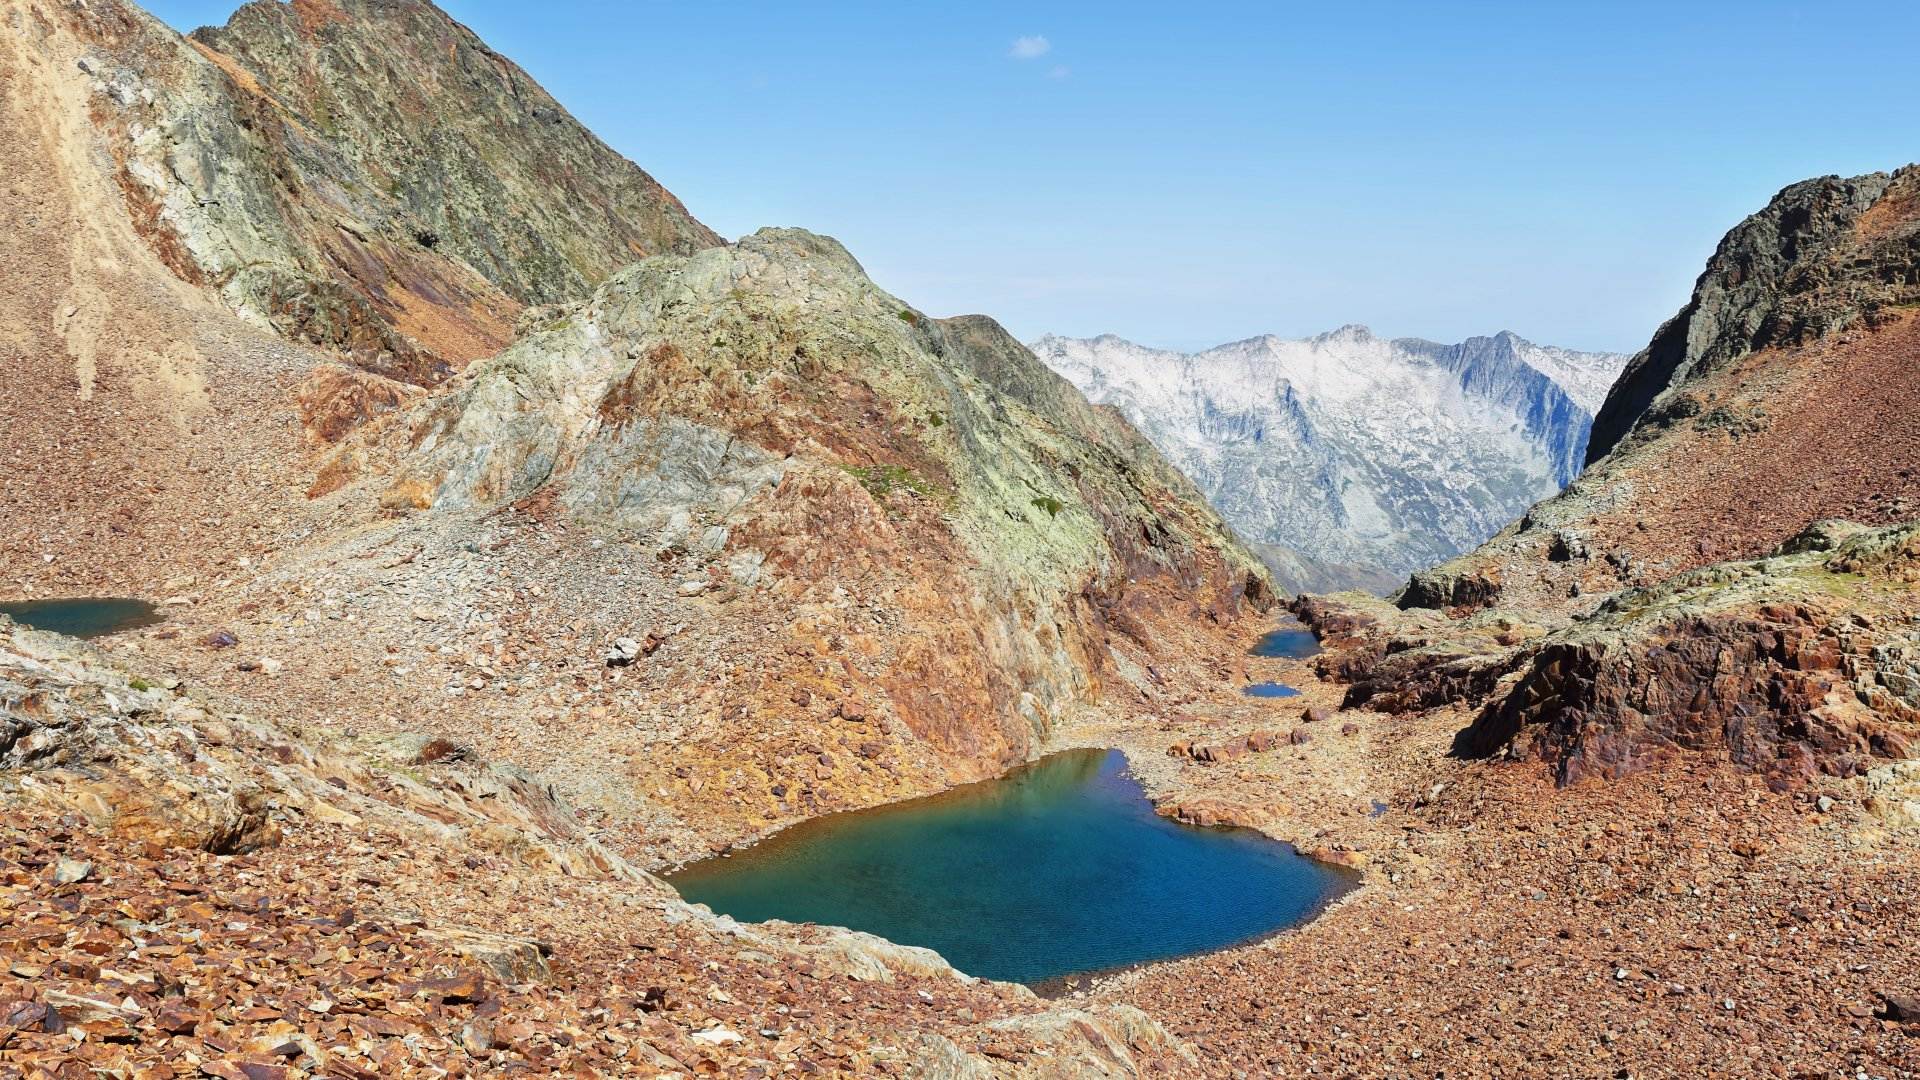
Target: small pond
[
  {"x": 1269, "y": 689},
  {"x": 1291, "y": 641},
  {"x": 1058, "y": 868},
  {"x": 83, "y": 617}
]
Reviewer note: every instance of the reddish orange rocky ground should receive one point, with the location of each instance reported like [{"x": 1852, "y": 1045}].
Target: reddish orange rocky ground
[
  {"x": 1689, "y": 923},
  {"x": 1824, "y": 431},
  {"x": 330, "y": 956}
]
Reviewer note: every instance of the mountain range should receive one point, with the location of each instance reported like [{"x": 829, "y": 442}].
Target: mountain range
[{"x": 1348, "y": 460}]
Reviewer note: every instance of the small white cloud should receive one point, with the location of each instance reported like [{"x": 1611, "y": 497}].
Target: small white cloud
[
  {"x": 1059, "y": 71},
  {"x": 1030, "y": 48}
]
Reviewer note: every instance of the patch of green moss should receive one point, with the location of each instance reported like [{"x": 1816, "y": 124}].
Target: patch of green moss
[
  {"x": 1050, "y": 504},
  {"x": 882, "y": 480},
  {"x": 910, "y": 318},
  {"x": 392, "y": 769},
  {"x": 1834, "y": 583},
  {"x": 139, "y": 684}
]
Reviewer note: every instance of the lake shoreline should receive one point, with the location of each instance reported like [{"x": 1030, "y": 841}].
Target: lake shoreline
[{"x": 1065, "y": 862}]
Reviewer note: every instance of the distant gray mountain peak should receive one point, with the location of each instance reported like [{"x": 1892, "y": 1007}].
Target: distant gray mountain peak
[{"x": 1350, "y": 459}]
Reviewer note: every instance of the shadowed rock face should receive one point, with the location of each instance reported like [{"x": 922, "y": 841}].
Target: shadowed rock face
[{"x": 364, "y": 175}]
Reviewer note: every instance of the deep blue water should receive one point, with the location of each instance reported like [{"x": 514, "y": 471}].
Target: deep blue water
[
  {"x": 1269, "y": 689},
  {"x": 84, "y": 617},
  {"x": 1058, "y": 868},
  {"x": 1290, "y": 642}
]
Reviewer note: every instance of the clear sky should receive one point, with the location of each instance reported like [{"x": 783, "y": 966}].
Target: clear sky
[{"x": 1187, "y": 174}]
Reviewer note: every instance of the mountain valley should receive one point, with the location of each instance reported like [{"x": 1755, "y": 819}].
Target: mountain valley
[{"x": 514, "y": 539}]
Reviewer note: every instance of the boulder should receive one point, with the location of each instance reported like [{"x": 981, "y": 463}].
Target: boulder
[
  {"x": 622, "y": 652},
  {"x": 1900, "y": 1008}
]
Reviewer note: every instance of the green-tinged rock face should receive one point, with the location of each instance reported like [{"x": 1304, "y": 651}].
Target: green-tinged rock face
[
  {"x": 725, "y": 370},
  {"x": 767, "y": 404},
  {"x": 365, "y": 176},
  {"x": 457, "y": 139}
]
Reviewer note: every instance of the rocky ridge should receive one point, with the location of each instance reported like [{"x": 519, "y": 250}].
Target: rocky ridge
[
  {"x": 768, "y": 418},
  {"x": 1776, "y": 398},
  {"x": 334, "y": 171},
  {"x": 1824, "y": 256}
]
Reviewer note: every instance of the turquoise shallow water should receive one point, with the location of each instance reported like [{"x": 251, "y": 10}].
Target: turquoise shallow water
[
  {"x": 1060, "y": 867},
  {"x": 1269, "y": 689},
  {"x": 84, "y": 617}
]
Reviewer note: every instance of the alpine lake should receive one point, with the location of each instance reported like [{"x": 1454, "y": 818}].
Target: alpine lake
[
  {"x": 1061, "y": 867},
  {"x": 83, "y": 617}
]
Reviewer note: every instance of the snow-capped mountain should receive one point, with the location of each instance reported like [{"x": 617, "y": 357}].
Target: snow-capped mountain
[{"x": 1349, "y": 460}]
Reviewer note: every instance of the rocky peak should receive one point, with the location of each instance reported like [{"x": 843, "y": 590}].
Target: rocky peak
[
  {"x": 1351, "y": 333},
  {"x": 467, "y": 144},
  {"x": 365, "y": 175},
  {"x": 767, "y": 411},
  {"x": 1781, "y": 394},
  {"x": 1495, "y": 369},
  {"x": 1321, "y": 450},
  {"x": 1824, "y": 255}
]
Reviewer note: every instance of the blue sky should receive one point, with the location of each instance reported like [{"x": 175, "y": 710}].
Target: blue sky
[{"x": 1187, "y": 174}]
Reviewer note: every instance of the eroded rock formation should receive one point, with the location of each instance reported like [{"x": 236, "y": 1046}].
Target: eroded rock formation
[
  {"x": 766, "y": 408},
  {"x": 1796, "y": 664}
]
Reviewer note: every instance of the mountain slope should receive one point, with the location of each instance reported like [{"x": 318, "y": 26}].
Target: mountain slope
[
  {"x": 782, "y": 431},
  {"x": 1825, "y": 255},
  {"x": 789, "y": 446},
  {"x": 1348, "y": 460},
  {"x": 1783, "y": 393},
  {"x": 363, "y": 175},
  {"x": 1690, "y": 591}
]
